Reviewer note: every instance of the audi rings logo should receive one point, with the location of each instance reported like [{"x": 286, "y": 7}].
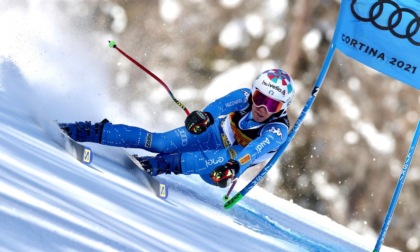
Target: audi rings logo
[{"x": 385, "y": 15}]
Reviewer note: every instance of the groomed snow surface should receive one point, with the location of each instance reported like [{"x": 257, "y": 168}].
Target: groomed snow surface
[{"x": 51, "y": 202}]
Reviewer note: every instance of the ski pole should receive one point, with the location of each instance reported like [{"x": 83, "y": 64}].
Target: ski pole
[
  {"x": 113, "y": 44},
  {"x": 226, "y": 197}
]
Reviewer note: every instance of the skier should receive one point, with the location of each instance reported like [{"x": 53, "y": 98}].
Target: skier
[{"x": 231, "y": 134}]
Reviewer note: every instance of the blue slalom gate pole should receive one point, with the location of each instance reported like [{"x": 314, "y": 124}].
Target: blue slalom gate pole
[
  {"x": 231, "y": 202},
  {"x": 398, "y": 189}
]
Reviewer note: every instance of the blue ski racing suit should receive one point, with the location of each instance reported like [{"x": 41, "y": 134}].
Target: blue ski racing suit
[{"x": 233, "y": 135}]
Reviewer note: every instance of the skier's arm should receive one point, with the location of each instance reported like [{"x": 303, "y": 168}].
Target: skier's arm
[
  {"x": 198, "y": 121},
  {"x": 234, "y": 101},
  {"x": 272, "y": 136}
]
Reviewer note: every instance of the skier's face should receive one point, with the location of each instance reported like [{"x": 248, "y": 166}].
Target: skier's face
[{"x": 260, "y": 114}]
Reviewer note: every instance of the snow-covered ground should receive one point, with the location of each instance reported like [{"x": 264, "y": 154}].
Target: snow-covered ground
[
  {"x": 50, "y": 71},
  {"x": 51, "y": 202}
]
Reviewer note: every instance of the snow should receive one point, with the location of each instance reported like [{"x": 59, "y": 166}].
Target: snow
[
  {"x": 170, "y": 10},
  {"x": 51, "y": 202},
  {"x": 232, "y": 36}
]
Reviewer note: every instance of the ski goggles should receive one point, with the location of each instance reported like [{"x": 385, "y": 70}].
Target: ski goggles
[{"x": 260, "y": 99}]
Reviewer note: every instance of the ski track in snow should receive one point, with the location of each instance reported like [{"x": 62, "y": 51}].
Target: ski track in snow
[{"x": 51, "y": 202}]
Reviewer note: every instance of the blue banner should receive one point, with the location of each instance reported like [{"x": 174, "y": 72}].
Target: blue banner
[{"x": 384, "y": 35}]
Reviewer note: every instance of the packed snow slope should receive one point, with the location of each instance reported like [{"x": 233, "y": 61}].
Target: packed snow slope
[{"x": 51, "y": 202}]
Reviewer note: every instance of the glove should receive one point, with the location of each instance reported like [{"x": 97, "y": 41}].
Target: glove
[
  {"x": 197, "y": 122},
  {"x": 223, "y": 175}
]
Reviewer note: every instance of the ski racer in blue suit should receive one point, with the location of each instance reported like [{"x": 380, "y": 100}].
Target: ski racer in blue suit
[{"x": 231, "y": 134}]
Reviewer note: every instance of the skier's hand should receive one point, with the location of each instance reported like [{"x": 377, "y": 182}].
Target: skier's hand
[
  {"x": 223, "y": 175},
  {"x": 198, "y": 121}
]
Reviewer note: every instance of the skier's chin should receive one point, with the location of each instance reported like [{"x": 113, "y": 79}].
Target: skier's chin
[{"x": 258, "y": 118}]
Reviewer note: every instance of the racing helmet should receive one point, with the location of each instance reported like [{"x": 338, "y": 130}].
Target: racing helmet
[{"x": 273, "y": 89}]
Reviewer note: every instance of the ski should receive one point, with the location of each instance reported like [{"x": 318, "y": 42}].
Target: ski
[
  {"x": 82, "y": 153},
  {"x": 159, "y": 188}
]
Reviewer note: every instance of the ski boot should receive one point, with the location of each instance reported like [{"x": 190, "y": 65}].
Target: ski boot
[
  {"x": 161, "y": 164},
  {"x": 84, "y": 131}
]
